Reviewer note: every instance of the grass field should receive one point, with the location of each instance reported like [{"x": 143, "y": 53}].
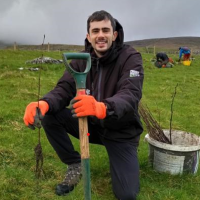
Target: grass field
[{"x": 17, "y": 142}]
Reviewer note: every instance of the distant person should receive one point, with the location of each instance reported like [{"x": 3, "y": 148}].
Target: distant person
[
  {"x": 114, "y": 89},
  {"x": 185, "y": 51},
  {"x": 163, "y": 61}
]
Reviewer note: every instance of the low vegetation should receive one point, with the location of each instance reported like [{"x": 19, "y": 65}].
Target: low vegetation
[{"x": 19, "y": 86}]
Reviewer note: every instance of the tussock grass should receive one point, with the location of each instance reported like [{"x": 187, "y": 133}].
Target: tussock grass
[{"x": 17, "y": 142}]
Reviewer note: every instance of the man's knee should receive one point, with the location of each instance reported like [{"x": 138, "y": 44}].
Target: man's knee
[
  {"x": 51, "y": 125},
  {"x": 48, "y": 120}
]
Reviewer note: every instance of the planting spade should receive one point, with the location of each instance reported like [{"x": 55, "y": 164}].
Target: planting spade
[{"x": 80, "y": 79}]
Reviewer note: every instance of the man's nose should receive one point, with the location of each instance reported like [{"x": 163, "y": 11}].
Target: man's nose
[{"x": 101, "y": 34}]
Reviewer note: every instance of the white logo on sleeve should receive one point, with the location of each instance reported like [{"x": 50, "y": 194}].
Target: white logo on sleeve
[{"x": 134, "y": 73}]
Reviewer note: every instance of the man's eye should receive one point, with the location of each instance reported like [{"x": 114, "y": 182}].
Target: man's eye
[
  {"x": 95, "y": 31},
  {"x": 106, "y": 30}
]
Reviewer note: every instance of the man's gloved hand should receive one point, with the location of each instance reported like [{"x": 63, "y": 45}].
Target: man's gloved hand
[
  {"x": 33, "y": 115},
  {"x": 85, "y": 105}
]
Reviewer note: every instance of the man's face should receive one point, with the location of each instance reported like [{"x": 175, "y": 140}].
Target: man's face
[{"x": 101, "y": 36}]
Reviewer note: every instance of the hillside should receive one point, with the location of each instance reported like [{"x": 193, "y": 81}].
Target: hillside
[
  {"x": 172, "y": 43},
  {"x": 51, "y": 47},
  {"x": 3, "y": 45}
]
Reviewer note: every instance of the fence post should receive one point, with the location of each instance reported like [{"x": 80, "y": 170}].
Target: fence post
[
  {"x": 147, "y": 49},
  {"x": 15, "y": 46},
  {"x": 48, "y": 47}
]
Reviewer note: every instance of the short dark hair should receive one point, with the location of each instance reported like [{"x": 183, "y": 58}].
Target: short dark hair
[{"x": 99, "y": 16}]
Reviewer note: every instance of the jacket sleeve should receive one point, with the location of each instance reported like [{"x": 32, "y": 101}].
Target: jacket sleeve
[
  {"x": 180, "y": 53},
  {"x": 61, "y": 95},
  {"x": 124, "y": 104}
]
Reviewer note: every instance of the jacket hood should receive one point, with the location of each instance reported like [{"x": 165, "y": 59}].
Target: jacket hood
[{"x": 118, "y": 43}]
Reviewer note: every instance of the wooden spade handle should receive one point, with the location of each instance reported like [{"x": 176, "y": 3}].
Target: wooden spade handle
[
  {"x": 83, "y": 130},
  {"x": 84, "y": 141}
]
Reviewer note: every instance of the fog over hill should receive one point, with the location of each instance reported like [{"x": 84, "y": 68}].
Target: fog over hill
[
  {"x": 65, "y": 22},
  {"x": 167, "y": 43},
  {"x": 3, "y": 45}
]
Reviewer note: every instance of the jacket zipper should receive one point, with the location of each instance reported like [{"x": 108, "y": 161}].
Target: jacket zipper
[{"x": 99, "y": 70}]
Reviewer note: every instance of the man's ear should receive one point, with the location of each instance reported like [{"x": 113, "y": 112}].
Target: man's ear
[
  {"x": 115, "y": 34},
  {"x": 88, "y": 37}
]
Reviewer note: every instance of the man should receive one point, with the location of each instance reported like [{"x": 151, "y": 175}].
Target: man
[
  {"x": 186, "y": 52},
  {"x": 161, "y": 60},
  {"x": 114, "y": 88}
]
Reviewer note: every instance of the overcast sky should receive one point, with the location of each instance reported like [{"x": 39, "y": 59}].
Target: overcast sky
[{"x": 64, "y": 21}]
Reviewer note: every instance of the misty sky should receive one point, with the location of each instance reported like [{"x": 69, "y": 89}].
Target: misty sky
[{"x": 64, "y": 21}]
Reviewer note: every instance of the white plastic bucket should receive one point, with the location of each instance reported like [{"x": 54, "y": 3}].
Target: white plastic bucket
[{"x": 180, "y": 156}]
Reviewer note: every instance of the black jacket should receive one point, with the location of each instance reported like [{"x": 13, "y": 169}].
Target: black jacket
[
  {"x": 162, "y": 57},
  {"x": 115, "y": 79}
]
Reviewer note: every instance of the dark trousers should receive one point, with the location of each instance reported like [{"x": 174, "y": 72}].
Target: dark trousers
[{"x": 124, "y": 167}]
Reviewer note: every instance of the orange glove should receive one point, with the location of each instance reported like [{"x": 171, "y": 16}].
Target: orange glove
[
  {"x": 85, "y": 105},
  {"x": 33, "y": 114}
]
